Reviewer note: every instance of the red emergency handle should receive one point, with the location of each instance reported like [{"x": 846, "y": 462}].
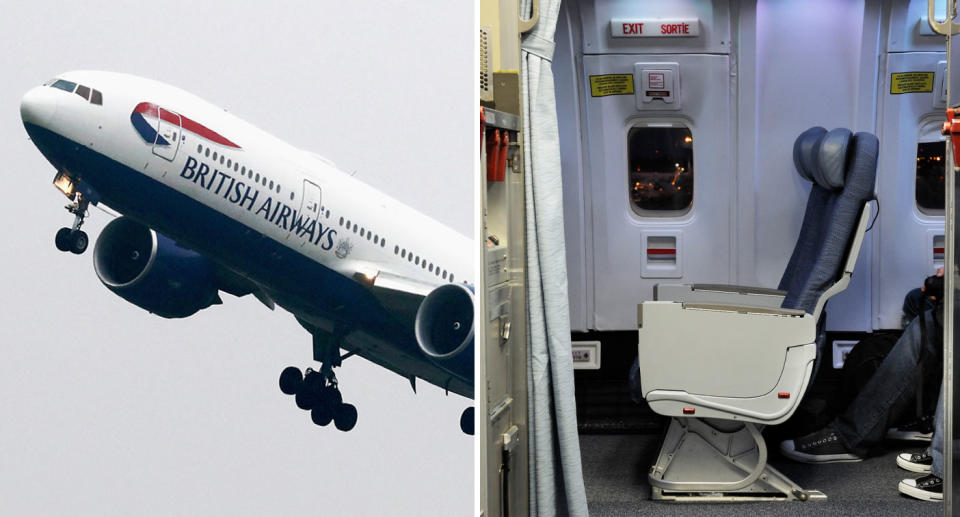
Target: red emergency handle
[{"x": 952, "y": 127}]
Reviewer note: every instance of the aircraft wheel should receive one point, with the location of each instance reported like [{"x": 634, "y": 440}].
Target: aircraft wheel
[
  {"x": 466, "y": 421},
  {"x": 345, "y": 417},
  {"x": 332, "y": 397},
  {"x": 291, "y": 380},
  {"x": 305, "y": 400},
  {"x": 321, "y": 415},
  {"x": 63, "y": 239},
  {"x": 79, "y": 242}
]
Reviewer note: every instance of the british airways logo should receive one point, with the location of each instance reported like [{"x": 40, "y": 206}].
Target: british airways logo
[
  {"x": 306, "y": 226},
  {"x": 147, "y": 118}
]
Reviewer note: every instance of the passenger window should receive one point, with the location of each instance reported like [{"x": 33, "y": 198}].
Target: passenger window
[
  {"x": 83, "y": 91},
  {"x": 930, "y": 177},
  {"x": 214, "y": 156},
  {"x": 199, "y": 149},
  {"x": 361, "y": 232},
  {"x": 66, "y": 86},
  {"x": 660, "y": 161},
  {"x": 444, "y": 274},
  {"x": 243, "y": 170},
  {"x": 258, "y": 177},
  {"x": 229, "y": 163},
  {"x": 271, "y": 184},
  {"x": 207, "y": 152},
  {"x": 96, "y": 98},
  {"x": 451, "y": 277},
  {"x": 236, "y": 166}
]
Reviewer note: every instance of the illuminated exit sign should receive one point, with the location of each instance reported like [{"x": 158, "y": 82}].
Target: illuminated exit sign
[{"x": 655, "y": 28}]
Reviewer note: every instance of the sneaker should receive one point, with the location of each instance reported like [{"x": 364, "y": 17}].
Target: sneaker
[
  {"x": 823, "y": 446},
  {"x": 918, "y": 431},
  {"x": 917, "y": 462},
  {"x": 926, "y": 488}
]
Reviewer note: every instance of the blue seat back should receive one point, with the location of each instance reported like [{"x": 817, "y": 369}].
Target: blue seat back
[{"x": 843, "y": 169}]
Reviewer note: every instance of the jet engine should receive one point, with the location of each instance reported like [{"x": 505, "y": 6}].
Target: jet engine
[
  {"x": 152, "y": 272},
  {"x": 444, "y": 328}
]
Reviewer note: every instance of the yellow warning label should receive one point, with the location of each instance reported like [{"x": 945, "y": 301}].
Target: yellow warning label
[
  {"x": 911, "y": 82},
  {"x": 615, "y": 84}
]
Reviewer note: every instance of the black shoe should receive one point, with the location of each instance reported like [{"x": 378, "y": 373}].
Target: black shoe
[
  {"x": 918, "y": 431},
  {"x": 926, "y": 488},
  {"x": 823, "y": 446},
  {"x": 917, "y": 462}
]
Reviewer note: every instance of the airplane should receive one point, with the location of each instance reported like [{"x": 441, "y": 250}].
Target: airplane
[{"x": 210, "y": 203}]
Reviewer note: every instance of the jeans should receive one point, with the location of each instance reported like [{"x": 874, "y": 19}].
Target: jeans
[
  {"x": 913, "y": 303},
  {"x": 936, "y": 444},
  {"x": 890, "y": 390}
]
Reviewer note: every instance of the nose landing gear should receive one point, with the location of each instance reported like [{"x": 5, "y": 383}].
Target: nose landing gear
[{"x": 74, "y": 239}]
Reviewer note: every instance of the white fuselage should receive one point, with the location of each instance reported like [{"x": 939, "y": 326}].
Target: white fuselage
[{"x": 262, "y": 182}]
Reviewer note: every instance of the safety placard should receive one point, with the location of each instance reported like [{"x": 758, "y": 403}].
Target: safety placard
[
  {"x": 612, "y": 84},
  {"x": 911, "y": 82}
]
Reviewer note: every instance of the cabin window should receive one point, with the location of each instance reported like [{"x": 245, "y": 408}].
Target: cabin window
[
  {"x": 930, "y": 177},
  {"x": 660, "y": 161},
  {"x": 83, "y": 91},
  {"x": 66, "y": 86},
  {"x": 199, "y": 148},
  {"x": 444, "y": 274},
  {"x": 229, "y": 163},
  {"x": 207, "y": 152}
]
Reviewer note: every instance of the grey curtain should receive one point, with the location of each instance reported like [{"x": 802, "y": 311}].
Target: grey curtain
[{"x": 556, "y": 477}]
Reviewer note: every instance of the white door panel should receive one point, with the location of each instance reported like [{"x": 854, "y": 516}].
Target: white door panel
[
  {"x": 635, "y": 248},
  {"x": 909, "y": 234}
]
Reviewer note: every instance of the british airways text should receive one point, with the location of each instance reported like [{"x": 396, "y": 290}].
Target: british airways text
[{"x": 273, "y": 210}]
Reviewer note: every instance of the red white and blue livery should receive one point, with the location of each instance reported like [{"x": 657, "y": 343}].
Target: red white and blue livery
[{"x": 212, "y": 204}]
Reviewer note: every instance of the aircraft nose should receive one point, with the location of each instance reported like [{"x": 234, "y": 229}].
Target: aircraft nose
[{"x": 38, "y": 105}]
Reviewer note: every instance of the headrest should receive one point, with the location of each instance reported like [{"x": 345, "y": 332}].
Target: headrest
[
  {"x": 804, "y": 151},
  {"x": 820, "y": 156},
  {"x": 832, "y": 158}
]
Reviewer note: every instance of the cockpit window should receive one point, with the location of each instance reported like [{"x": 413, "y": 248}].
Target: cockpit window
[
  {"x": 96, "y": 98},
  {"x": 66, "y": 86},
  {"x": 83, "y": 91}
]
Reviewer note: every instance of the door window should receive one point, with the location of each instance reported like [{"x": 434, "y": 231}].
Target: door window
[{"x": 660, "y": 161}]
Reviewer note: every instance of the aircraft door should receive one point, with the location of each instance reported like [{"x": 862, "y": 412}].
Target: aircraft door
[
  {"x": 910, "y": 175},
  {"x": 310, "y": 213},
  {"x": 168, "y": 134},
  {"x": 660, "y": 176}
]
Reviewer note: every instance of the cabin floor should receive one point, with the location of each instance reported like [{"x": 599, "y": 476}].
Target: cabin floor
[{"x": 615, "y": 473}]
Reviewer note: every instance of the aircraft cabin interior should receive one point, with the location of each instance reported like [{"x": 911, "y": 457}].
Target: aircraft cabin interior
[{"x": 756, "y": 195}]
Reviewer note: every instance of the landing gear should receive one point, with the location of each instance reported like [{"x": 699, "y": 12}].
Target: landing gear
[
  {"x": 74, "y": 239},
  {"x": 317, "y": 391},
  {"x": 466, "y": 421}
]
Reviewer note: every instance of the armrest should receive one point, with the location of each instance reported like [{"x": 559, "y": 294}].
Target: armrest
[
  {"x": 724, "y": 361},
  {"x": 718, "y": 293}
]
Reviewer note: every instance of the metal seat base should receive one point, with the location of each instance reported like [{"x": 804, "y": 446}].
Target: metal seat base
[{"x": 717, "y": 460}]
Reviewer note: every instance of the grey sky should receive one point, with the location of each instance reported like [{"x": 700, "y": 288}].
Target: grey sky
[{"x": 108, "y": 410}]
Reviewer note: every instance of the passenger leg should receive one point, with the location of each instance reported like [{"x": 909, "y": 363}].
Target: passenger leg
[
  {"x": 928, "y": 487},
  {"x": 851, "y": 435},
  {"x": 914, "y": 303}
]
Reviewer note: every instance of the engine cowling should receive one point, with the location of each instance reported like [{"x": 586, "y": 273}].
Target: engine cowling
[
  {"x": 152, "y": 272},
  {"x": 444, "y": 328}
]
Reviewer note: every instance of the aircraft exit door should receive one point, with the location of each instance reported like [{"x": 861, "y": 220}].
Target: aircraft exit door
[{"x": 168, "y": 134}]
